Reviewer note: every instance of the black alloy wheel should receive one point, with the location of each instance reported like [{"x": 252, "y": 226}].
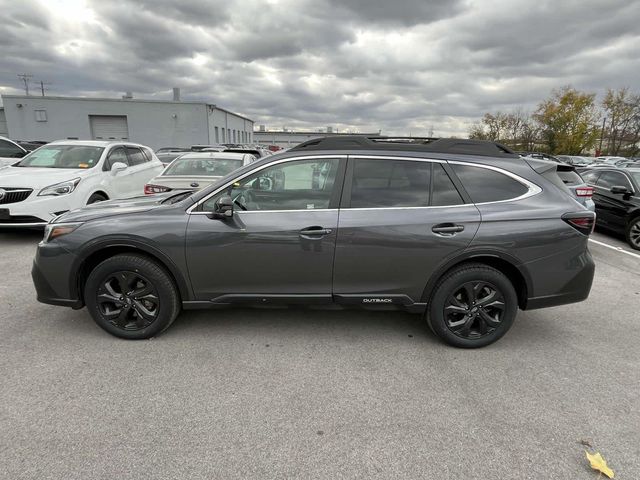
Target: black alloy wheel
[
  {"x": 132, "y": 296},
  {"x": 474, "y": 310},
  {"x": 128, "y": 300},
  {"x": 472, "y": 306}
]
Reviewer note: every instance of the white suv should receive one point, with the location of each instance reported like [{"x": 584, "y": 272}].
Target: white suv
[{"x": 70, "y": 174}]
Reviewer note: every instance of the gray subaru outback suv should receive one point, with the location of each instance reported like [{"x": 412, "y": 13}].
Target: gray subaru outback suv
[{"x": 463, "y": 232}]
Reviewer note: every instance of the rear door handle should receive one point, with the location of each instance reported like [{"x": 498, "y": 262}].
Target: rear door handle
[
  {"x": 447, "y": 229},
  {"x": 314, "y": 232}
]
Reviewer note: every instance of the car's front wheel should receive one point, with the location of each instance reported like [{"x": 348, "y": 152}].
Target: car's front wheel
[
  {"x": 472, "y": 306},
  {"x": 131, "y": 296},
  {"x": 95, "y": 198},
  {"x": 633, "y": 233}
]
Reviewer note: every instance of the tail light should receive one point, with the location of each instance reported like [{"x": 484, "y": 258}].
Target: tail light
[
  {"x": 582, "y": 222},
  {"x": 150, "y": 189},
  {"x": 584, "y": 192}
]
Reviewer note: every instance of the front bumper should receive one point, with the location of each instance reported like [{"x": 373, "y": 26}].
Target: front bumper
[
  {"x": 51, "y": 274},
  {"x": 34, "y": 211}
]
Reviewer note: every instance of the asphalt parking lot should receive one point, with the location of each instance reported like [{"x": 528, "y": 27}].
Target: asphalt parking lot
[{"x": 319, "y": 394}]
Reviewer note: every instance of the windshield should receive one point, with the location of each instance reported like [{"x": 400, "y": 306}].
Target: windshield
[
  {"x": 63, "y": 156},
  {"x": 636, "y": 176},
  {"x": 210, "y": 167}
]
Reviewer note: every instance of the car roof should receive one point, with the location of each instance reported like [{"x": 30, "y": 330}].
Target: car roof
[
  {"x": 381, "y": 144},
  {"x": 213, "y": 155},
  {"x": 95, "y": 143}
]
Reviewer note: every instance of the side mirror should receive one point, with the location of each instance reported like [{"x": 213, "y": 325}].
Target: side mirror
[
  {"x": 118, "y": 167},
  {"x": 223, "y": 208},
  {"x": 619, "y": 190}
]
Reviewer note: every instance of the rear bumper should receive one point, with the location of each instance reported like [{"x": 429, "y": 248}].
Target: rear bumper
[{"x": 576, "y": 288}]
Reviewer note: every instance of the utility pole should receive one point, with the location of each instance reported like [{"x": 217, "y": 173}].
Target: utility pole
[
  {"x": 604, "y": 121},
  {"x": 42, "y": 84},
  {"x": 25, "y": 79}
]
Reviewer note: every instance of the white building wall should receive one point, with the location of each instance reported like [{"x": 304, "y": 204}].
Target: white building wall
[
  {"x": 233, "y": 126},
  {"x": 291, "y": 139},
  {"x": 3, "y": 124},
  {"x": 152, "y": 123}
]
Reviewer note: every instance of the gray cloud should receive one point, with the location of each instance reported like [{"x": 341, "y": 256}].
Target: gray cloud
[{"x": 361, "y": 64}]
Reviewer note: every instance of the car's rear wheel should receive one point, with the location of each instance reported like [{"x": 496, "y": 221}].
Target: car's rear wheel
[
  {"x": 472, "y": 306},
  {"x": 95, "y": 198},
  {"x": 633, "y": 233},
  {"x": 131, "y": 296}
]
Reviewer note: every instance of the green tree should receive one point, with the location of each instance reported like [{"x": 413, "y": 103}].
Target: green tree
[{"x": 567, "y": 121}]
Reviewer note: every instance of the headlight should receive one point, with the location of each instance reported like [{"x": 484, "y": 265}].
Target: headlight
[
  {"x": 62, "y": 188},
  {"x": 55, "y": 230}
]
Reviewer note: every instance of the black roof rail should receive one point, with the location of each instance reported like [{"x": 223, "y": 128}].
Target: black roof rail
[{"x": 414, "y": 144}]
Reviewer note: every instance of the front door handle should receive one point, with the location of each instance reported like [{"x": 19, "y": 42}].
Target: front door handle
[
  {"x": 314, "y": 232},
  {"x": 447, "y": 229}
]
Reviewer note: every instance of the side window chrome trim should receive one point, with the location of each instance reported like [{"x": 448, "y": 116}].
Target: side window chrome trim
[
  {"x": 251, "y": 172},
  {"x": 386, "y": 157},
  {"x": 245, "y": 212},
  {"x": 532, "y": 188}
]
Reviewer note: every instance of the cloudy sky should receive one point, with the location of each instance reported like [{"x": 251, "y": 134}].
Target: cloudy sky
[{"x": 400, "y": 66}]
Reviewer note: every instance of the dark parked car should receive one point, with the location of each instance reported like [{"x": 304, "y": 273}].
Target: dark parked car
[
  {"x": 617, "y": 200},
  {"x": 453, "y": 229}
]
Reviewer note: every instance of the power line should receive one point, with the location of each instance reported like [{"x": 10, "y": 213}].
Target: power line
[{"x": 25, "y": 77}]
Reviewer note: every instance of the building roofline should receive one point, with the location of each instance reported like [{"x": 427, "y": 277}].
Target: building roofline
[
  {"x": 283, "y": 132},
  {"x": 126, "y": 100}
]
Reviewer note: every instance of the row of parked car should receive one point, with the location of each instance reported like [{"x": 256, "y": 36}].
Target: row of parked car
[
  {"x": 65, "y": 175},
  {"x": 608, "y": 185}
]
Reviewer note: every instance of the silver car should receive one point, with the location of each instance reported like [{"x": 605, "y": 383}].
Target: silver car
[{"x": 196, "y": 170}]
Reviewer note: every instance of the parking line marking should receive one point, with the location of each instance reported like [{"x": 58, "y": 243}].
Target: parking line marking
[{"x": 612, "y": 247}]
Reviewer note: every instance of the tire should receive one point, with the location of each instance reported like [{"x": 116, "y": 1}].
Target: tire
[
  {"x": 148, "y": 306},
  {"x": 632, "y": 233},
  {"x": 95, "y": 198},
  {"x": 462, "y": 323}
]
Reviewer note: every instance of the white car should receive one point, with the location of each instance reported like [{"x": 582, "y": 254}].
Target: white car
[
  {"x": 69, "y": 174},
  {"x": 10, "y": 152},
  {"x": 196, "y": 170}
]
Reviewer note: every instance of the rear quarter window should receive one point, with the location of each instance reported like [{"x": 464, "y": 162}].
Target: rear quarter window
[
  {"x": 570, "y": 178},
  {"x": 485, "y": 185}
]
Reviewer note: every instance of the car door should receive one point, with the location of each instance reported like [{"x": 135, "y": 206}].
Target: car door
[
  {"x": 120, "y": 183},
  {"x": 612, "y": 208},
  {"x": 400, "y": 218},
  {"x": 280, "y": 242},
  {"x": 141, "y": 170}
]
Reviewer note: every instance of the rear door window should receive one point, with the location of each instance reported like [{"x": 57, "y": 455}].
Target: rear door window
[
  {"x": 486, "y": 185},
  {"x": 444, "y": 191},
  {"x": 613, "y": 179},
  {"x": 136, "y": 157},
  {"x": 384, "y": 183}
]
